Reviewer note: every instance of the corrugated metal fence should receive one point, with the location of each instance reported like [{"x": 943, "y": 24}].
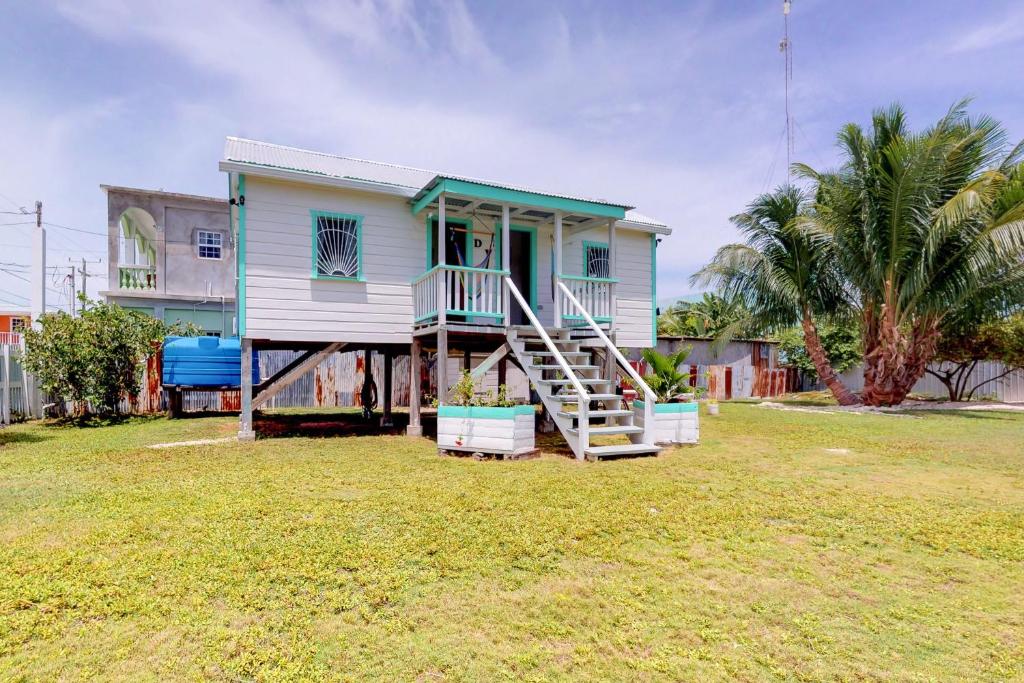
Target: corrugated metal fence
[
  {"x": 1009, "y": 388},
  {"x": 727, "y": 381}
]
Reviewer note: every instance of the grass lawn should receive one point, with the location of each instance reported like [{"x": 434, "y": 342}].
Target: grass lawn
[{"x": 785, "y": 546}]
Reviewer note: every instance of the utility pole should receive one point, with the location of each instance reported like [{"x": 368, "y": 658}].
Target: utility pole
[
  {"x": 38, "y": 268},
  {"x": 85, "y": 273},
  {"x": 71, "y": 299}
]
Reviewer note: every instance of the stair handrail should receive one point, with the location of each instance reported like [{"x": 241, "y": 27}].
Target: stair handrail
[
  {"x": 569, "y": 374},
  {"x": 634, "y": 376}
]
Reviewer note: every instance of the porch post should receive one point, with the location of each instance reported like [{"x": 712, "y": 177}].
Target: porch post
[
  {"x": 442, "y": 365},
  {"x": 612, "y": 271},
  {"x": 389, "y": 360},
  {"x": 442, "y": 275},
  {"x": 415, "y": 428},
  {"x": 506, "y": 263},
  {"x": 245, "y": 431},
  {"x": 558, "y": 268}
]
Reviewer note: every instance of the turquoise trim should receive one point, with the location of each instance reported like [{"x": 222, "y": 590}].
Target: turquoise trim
[
  {"x": 473, "y": 314},
  {"x": 586, "y": 245},
  {"x": 669, "y": 408},
  {"x": 314, "y": 214},
  {"x": 506, "y": 196},
  {"x": 458, "y": 269},
  {"x": 431, "y": 226},
  {"x": 597, "y": 318},
  {"x": 584, "y": 278},
  {"x": 241, "y": 252},
  {"x": 654, "y": 290},
  {"x": 512, "y": 227},
  {"x": 485, "y": 412}
]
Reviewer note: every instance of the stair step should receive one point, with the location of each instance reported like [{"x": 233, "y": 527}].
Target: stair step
[
  {"x": 610, "y": 430},
  {"x": 595, "y": 452},
  {"x": 548, "y": 354},
  {"x": 598, "y": 413},
  {"x": 573, "y": 397},
  {"x": 556, "y": 366},
  {"x": 582, "y": 380}
]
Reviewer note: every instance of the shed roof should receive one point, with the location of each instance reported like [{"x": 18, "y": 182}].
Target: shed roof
[{"x": 414, "y": 181}]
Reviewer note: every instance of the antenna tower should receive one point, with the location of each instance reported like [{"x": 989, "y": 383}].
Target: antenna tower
[{"x": 786, "y": 47}]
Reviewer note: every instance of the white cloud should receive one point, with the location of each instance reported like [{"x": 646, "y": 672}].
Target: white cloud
[{"x": 991, "y": 35}]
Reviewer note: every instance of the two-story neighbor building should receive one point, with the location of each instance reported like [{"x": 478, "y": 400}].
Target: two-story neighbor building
[
  {"x": 337, "y": 252},
  {"x": 171, "y": 255}
]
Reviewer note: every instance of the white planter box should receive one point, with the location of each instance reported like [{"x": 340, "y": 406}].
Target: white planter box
[
  {"x": 478, "y": 429},
  {"x": 673, "y": 422}
]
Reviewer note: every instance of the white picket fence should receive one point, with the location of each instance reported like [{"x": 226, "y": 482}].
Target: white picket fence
[{"x": 15, "y": 398}]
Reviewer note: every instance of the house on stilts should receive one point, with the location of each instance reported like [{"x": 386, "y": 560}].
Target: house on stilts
[{"x": 339, "y": 253}]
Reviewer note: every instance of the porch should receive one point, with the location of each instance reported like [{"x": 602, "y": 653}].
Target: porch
[{"x": 490, "y": 233}]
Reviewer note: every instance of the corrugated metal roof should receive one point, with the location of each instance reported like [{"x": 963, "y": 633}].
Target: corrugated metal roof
[{"x": 267, "y": 154}]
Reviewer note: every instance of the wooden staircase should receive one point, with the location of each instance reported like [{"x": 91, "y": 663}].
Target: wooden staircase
[{"x": 576, "y": 391}]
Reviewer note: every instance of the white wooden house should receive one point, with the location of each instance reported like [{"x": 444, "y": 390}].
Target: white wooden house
[{"x": 334, "y": 252}]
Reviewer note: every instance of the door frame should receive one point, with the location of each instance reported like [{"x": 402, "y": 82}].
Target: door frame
[
  {"x": 432, "y": 233},
  {"x": 531, "y": 296}
]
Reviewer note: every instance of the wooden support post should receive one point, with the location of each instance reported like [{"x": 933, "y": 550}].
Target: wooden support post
[
  {"x": 558, "y": 269},
  {"x": 366, "y": 395},
  {"x": 245, "y": 431},
  {"x": 442, "y": 274},
  {"x": 442, "y": 365},
  {"x": 415, "y": 427},
  {"x": 502, "y": 371},
  {"x": 467, "y": 360},
  {"x": 385, "y": 420}
]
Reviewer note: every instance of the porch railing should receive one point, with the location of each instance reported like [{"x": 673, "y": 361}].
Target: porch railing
[
  {"x": 473, "y": 294},
  {"x": 595, "y": 294},
  {"x": 136, "y": 277}
]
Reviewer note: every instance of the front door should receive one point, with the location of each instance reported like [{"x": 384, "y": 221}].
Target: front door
[{"x": 521, "y": 265}]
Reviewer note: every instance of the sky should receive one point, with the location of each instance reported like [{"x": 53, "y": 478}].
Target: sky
[{"x": 675, "y": 107}]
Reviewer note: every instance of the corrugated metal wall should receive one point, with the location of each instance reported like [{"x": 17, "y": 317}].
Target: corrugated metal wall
[{"x": 1009, "y": 388}]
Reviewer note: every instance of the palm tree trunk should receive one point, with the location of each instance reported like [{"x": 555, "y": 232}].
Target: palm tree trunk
[
  {"x": 816, "y": 351},
  {"x": 895, "y": 360}
]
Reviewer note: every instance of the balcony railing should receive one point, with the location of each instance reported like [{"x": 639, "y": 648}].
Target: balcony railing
[
  {"x": 137, "y": 277},
  {"x": 472, "y": 295},
  {"x": 596, "y": 294}
]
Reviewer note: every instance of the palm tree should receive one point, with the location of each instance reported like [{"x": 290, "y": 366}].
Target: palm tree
[
  {"x": 924, "y": 226},
  {"x": 710, "y": 316},
  {"x": 782, "y": 276}
]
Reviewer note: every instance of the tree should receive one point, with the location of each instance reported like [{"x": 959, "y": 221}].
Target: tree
[
  {"x": 961, "y": 350},
  {"x": 922, "y": 225},
  {"x": 711, "y": 316},
  {"x": 841, "y": 344},
  {"x": 782, "y": 276},
  {"x": 97, "y": 358}
]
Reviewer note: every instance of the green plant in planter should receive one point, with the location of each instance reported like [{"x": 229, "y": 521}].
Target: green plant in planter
[
  {"x": 664, "y": 378},
  {"x": 463, "y": 393}
]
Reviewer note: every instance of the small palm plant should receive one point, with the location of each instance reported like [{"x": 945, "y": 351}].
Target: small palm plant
[{"x": 664, "y": 377}]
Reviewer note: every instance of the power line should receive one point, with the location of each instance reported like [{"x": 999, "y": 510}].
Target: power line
[{"x": 65, "y": 227}]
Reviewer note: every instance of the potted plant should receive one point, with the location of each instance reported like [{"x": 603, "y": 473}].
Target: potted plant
[
  {"x": 675, "y": 413},
  {"x": 485, "y": 423}
]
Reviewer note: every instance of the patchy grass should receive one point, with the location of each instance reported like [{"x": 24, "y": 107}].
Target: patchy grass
[{"x": 785, "y": 546}]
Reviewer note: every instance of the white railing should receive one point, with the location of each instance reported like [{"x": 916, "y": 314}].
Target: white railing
[
  {"x": 638, "y": 382},
  {"x": 594, "y": 294},
  {"x": 12, "y": 338},
  {"x": 474, "y": 294},
  {"x": 583, "y": 404},
  {"x": 136, "y": 277}
]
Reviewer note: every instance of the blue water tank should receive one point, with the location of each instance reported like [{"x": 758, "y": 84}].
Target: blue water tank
[{"x": 205, "y": 362}]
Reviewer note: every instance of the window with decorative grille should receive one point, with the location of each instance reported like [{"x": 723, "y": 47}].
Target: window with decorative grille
[
  {"x": 210, "y": 244},
  {"x": 337, "y": 246},
  {"x": 596, "y": 258}
]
